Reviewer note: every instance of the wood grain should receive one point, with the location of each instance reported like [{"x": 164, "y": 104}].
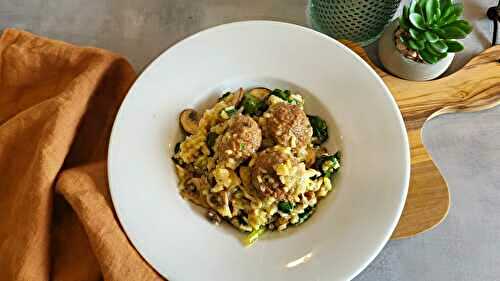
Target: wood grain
[{"x": 474, "y": 87}]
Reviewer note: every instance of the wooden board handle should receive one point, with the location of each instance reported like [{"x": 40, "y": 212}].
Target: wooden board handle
[{"x": 474, "y": 87}]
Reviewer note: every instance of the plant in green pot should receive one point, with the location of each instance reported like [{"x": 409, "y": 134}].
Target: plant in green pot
[{"x": 421, "y": 43}]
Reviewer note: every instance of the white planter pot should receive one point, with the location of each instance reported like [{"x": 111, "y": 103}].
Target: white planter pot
[{"x": 405, "y": 68}]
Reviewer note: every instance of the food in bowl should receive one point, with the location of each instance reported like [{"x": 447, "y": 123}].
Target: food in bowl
[{"x": 255, "y": 159}]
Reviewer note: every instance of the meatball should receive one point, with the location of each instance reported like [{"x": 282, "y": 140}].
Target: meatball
[
  {"x": 265, "y": 181},
  {"x": 240, "y": 141},
  {"x": 288, "y": 125}
]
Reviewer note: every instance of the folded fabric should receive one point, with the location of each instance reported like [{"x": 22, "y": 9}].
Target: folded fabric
[{"x": 57, "y": 106}]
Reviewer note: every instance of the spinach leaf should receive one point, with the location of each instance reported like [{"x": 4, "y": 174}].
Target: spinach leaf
[
  {"x": 285, "y": 207},
  {"x": 306, "y": 214},
  {"x": 328, "y": 165},
  {"x": 252, "y": 105},
  {"x": 320, "y": 129},
  {"x": 284, "y": 95},
  {"x": 228, "y": 112}
]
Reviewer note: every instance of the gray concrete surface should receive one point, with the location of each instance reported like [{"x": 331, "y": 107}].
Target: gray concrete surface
[{"x": 466, "y": 147}]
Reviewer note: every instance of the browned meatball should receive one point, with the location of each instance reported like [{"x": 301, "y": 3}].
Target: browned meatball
[
  {"x": 240, "y": 141},
  {"x": 288, "y": 125},
  {"x": 265, "y": 181}
]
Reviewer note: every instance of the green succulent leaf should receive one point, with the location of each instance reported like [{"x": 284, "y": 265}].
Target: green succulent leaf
[
  {"x": 416, "y": 45},
  {"x": 416, "y": 34},
  {"x": 438, "y": 55},
  {"x": 463, "y": 25},
  {"x": 412, "y": 44},
  {"x": 439, "y": 32},
  {"x": 428, "y": 57},
  {"x": 442, "y": 56},
  {"x": 452, "y": 32},
  {"x": 431, "y": 36},
  {"x": 429, "y": 49},
  {"x": 444, "y": 5},
  {"x": 404, "y": 22},
  {"x": 432, "y": 10},
  {"x": 435, "y": 28},
  {"x": 421, "y": 9},
  {"x": 415, "y": 7},
  {"x": 437, "y": 16},
  {"x": 406, "y": 11},
  {"x": 454, "y": 46},
  {"x": 417, "y": 21},
  {"x": 447, "y": 13},
  {"x": 451, "y": 14},
  {"x": 439, "y": 46},
  {"x": 459, "y": 9}
]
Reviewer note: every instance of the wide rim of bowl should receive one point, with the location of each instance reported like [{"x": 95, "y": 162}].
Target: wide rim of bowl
[{"x": 321, "y": 36}]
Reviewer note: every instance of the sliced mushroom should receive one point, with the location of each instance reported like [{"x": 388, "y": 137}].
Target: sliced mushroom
[
  {"x": 236, "y": 97},
  {"x": 189, "y": 119},
  {"x": 183, "y": 174},
  {"x": 193, "y": 186},
  {"x": 190, "y": 187},
  {"x": 213, "y": 217},
  {"x": 260, "y": 93},
  {"x": 216, "y": 200},
  {"x": 220, "y": 203},
  {"x": 193, "y": 189}
]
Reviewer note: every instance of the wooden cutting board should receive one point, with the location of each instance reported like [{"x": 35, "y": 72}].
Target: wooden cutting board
[{"x": 475, "y": 87}]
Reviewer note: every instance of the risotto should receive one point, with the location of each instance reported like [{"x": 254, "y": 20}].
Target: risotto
[{"x": 255, "y": 160}]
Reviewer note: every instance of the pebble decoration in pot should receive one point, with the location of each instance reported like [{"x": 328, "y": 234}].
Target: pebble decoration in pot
[{"x": 420, "y": 45}]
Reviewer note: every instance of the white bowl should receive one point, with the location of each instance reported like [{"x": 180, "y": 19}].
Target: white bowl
[{"x": 351, "y": 225}]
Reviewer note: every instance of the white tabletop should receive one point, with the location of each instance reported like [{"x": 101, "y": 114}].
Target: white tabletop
[{"x": 466, "y": 147}]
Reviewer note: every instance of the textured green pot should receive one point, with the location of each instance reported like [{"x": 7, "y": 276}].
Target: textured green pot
[{"x": 360, "y": 21}]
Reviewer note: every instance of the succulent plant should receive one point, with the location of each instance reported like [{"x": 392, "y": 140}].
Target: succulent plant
[{"x": 432, "y": 27}]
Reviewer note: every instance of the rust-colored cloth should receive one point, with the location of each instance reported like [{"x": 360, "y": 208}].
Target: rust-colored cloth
[{"x": 57, "y": 106}]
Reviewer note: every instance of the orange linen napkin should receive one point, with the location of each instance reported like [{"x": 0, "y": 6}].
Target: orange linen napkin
[{"x": 57, "y": 106}]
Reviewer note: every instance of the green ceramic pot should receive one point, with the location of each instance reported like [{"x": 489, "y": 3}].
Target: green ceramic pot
[{"x": 360, "y": 21}]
